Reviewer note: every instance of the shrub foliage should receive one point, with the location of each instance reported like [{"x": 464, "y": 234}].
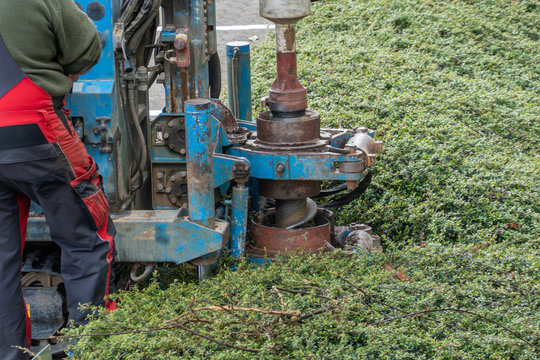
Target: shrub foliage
[{"x": 453, "y": 89}]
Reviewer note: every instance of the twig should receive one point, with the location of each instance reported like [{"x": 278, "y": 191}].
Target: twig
[
  {"x": 352, "y": 284},
  {"x": 181, "y": 325},
  {"x": 215, "y": 340},
  {"x": 460, "y": 311},
  {"x": 303, "y": 292},
  {"x": 256, "y": 310},
  {"x": 27, "y": 351},
  {"x": 276, "y": 289},
  {"x": 168, "y": 327},
  {"x": 317, "y": 312}
]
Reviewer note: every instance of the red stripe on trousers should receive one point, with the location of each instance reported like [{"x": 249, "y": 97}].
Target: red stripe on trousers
[
  {"x": 104, "y": 235},
  {"x": 24, "y": 207}
]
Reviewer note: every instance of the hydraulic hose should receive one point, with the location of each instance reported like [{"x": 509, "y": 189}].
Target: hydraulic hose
[
  {"x": 135, "y": 119},
  {"x": 136, "y": 174},
  {"x": 352, "y": 195},
  {"x": 214, "y": 76}
]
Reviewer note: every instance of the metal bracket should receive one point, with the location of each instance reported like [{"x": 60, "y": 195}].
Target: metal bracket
[
  {"x": 153, "y": 236},
  {"x": 103, "y": 131},
  {"x": 227, "y": 168}
]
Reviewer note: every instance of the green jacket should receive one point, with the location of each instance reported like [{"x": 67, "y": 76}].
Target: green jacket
[{"x": 49, "y": 39}]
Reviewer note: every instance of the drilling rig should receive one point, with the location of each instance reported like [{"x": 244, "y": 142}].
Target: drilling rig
[{"x": 200, "y": 177}]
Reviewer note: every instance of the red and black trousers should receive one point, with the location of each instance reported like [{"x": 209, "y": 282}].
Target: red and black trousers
[{"x": 42, "y": 159}]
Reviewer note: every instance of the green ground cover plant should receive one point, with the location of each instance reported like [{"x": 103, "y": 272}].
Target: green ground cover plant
[{"x": 453, "y": 89}]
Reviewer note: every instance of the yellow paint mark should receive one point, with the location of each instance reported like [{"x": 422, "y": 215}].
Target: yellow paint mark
[{"x": 146, "y": 235}]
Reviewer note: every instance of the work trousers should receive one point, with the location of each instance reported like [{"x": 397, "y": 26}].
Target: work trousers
[{"x": 42, "y": 173}]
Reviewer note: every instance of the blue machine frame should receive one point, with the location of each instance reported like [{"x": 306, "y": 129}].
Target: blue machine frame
[{"x": 163, "y": 176}]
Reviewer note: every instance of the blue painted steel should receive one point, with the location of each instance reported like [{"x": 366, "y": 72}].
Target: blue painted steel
[
  {"x": 248, "y": 125},
  {"x": 223, "y": 168},
  {"x": 199, "y": 77},
  {"x": 196, "y": 79},
  {"x": 200, "y": 162},
  {"x": 297, "y": 166},
  {"x": 168, "y": 235},
  {"x": 211, "y": 26},
  {"x": 83, "y": 104},
  {"x": 105, "y": 67},
  {"x": 239, "y": 79},
  {"x": 239, "y": 211},
  {"x": 159, "y": 151},
  {"x": 258, "y": 202},
  {"x": 153, "y": 236},
  {"x": 91, "y": 99},
  {"x": 167, "y": 36}
]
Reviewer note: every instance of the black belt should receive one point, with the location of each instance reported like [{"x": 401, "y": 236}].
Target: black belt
[{"x": 18, "y": 136}]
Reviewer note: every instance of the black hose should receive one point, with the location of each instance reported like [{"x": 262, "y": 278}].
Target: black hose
[
  {"x": 136, "y": 178},
  {"x": 332, "y": 191},
  {"x": 214, "y": 75},
  {"x": 352, "y": 195},
  {"x": 137, "y": 34},
  {"x": 129, "y": 10}
]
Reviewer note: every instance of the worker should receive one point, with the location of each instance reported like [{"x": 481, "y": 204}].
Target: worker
[{"x": 44, "y": 46}]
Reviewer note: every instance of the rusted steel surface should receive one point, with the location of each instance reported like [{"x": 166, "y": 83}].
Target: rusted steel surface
[
  {"x": 291, "y": 214},
  {"x": 271, "y": 241},
  {"x": 288, "y": 131},
  {"x": 289, "y": 189},
  {"x": 200, "y": 162},
  {"x": 286, "y": 93}
]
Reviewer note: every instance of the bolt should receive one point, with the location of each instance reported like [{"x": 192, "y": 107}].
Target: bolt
[
  {"x": 159, "y": 175},
  {"x": 168, "y": 190},
  {"x": 173, "y": 178},
  {"x": 165, "y": 135},
  {"x": 141, "y": 71},
  {"x": 171, "y": 146},
  {"x": 173, "y": 200},
  {"x": 180, "y": 43},
  {"x": 280, "y": 168},
  {"x": 183, "y": 173},
  {"x": 182, "y": 151},
  {"x": 171, "y": 123},
  {"x": 160, "y": 187}
]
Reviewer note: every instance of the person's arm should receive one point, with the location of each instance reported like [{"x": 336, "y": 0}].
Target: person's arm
[{"x": 79, "y": 48}]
